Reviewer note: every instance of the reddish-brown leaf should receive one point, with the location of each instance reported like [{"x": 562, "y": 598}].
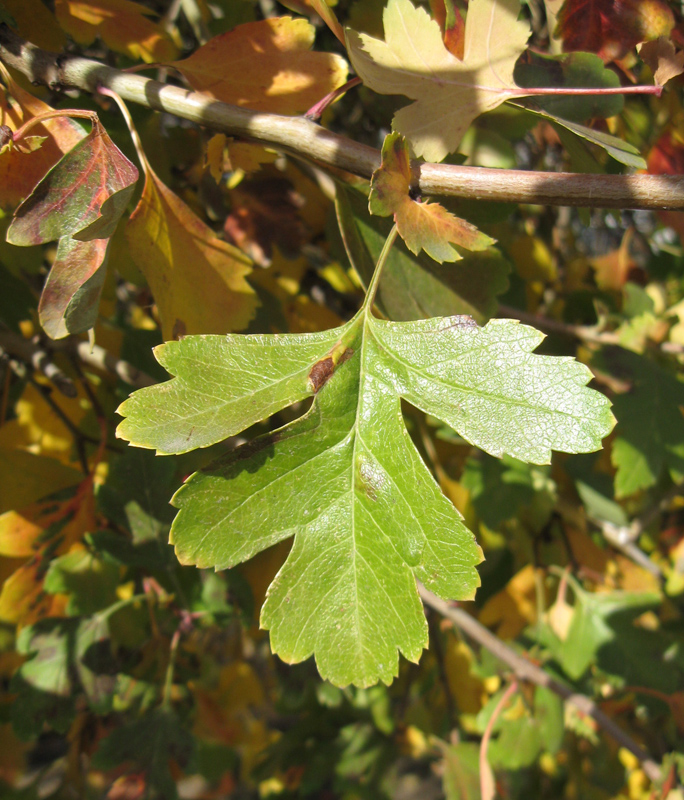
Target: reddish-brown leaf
[
  {"x": 83, "y": 196},
  {"x": 265, "y": 213},
  {"x": 451, "y": 22},
  {"x": 667, "y": 158},
  {"x": 20, "y": 172},
  {"x": 266, "y": 65},
  {"x": 611, "y": 28},
  {"x": 71, "y": 296}
]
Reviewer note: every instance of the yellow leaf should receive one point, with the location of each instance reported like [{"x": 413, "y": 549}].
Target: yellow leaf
[
  {"x": 214, "y": 155},
  {"x": 661, "y": 57},
  {"x": 249, "y": 157},
  {"x": 266, "y": 65},
  {"x": 612, "y": 270},
  {"x": 198, "y": 280},
  {"x": 37, "y": 428},
  {"x": 36, "y": 23},
  {"x": 449, "y": 93},
  {"x": 121, "y": 24},
  {"x": 22, "y": 600},
  {"x": 467, "y": 688},
  {"x": 514, "y": 607}
]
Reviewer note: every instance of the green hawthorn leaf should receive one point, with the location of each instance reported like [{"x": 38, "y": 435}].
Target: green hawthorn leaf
[
  {"x": 422, "y": 225},
  {"x": 339, "y": 479},
  {"x": 224, "y": 384},
  {"x": 650, "y": 431},
  {"x": 487, "y": 385},
  {"x": 618, "y": 149},
  {"x": 415, "y": 286},
  {"x": 345, "y": 479}
]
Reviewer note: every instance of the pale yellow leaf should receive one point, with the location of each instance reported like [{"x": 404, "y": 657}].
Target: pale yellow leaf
[
  {"x": 449, "y": 93},
  {"x": 665, "y": 62}
]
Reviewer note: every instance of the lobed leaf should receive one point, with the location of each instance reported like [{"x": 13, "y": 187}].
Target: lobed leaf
[
  {"x": 449, "y": 93},
  {"x": 422, "y": 225},
  {"x": 416, "y": 287},
  {"x": 345, "y": 479}
]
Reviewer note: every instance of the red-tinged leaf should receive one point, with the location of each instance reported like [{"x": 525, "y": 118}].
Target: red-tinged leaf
[
  {"x": 122, "y": 25},
  {"x": 423, "y": 226},
  {"x": 20, "y": 172},
  {"x": 198, "y": 280},
  {"x": 71, "y": 296},
  {"x": 266, "y": 65},
  {"x": 667, "y": 158},
  {"x": 611, "y": 28},
  {"x": 452, "y": 23},
  {"x": 83, "y": 196}
]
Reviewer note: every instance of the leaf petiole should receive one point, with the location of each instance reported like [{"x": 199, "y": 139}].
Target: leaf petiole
[{"x": 375, "y": 280}]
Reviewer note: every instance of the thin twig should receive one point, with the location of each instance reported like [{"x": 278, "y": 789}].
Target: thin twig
[
  {"x": 39, "y": 359},
  {"x": 40, "y": 356},
  {"x": 305, "y": 138},
  {"x": 527, "y": 671},
  {"x": 585, "y": 333}
]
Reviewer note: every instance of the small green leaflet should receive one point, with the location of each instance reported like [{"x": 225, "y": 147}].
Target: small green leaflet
[{"x": 345, "y": 479}]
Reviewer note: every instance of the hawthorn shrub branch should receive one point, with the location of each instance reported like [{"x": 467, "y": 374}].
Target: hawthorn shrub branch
[
  {"x": 302, "y": 137},
  {"x": 527, "y": 671}
]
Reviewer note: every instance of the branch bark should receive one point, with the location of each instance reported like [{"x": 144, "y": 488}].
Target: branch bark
[
  {"x": 302, "y": 137},
  {"x": 527, "y": 671}
]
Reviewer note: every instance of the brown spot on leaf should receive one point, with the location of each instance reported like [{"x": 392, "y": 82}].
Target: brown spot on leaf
[{"x": 320, "y": 372}]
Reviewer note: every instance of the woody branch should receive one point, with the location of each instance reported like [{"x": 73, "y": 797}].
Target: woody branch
[{"x": 305, "y": 138}]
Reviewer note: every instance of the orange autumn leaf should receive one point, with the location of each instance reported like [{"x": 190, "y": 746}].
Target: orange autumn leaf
[
  {"x": 612, "y": 270},
  {"x": 22, "y": 599},
  {"x": 447, "y": 16},
  {"x": 423, "y": 226},
  {"x": 121, "y": 24},
  {"x": 266, "y": 65},
  {"x": 198, "y": 280},
  {"x": 20, "y": 172}
]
